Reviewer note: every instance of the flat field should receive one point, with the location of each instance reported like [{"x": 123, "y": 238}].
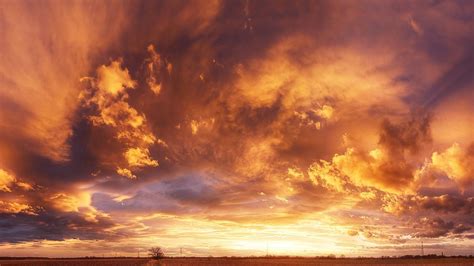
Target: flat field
[{"x": 240, "y": 261}]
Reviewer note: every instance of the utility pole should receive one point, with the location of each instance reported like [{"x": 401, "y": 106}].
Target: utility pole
[
  {"x": 181, "y": 251},
  {"x": 422, "y": 249}
]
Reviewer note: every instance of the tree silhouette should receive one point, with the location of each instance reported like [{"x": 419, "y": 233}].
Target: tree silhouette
[{"x": 156, "y": 253}]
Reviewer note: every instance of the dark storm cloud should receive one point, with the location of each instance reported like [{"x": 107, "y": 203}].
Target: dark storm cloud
[
  {"x": 406, "y": 136},
  {"x": 48, "y": 224},
  {"x": 437, "y": 227},
  {"x": 448, "y": 203},
  {"x": 178, "y": 195}
]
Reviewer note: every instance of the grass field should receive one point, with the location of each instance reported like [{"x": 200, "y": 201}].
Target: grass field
[{"x": 241, "y": 261}]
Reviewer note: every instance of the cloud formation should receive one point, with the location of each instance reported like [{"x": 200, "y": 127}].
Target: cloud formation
[{"x": 300, "y": 125}]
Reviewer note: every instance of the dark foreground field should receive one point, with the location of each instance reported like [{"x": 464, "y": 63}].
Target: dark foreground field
[{"x": 241, "y": 261}]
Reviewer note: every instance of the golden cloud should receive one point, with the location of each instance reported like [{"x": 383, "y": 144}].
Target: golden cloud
[
  {"x": 324, "y": 75},
  {"x": 6, "y": 180},
  {"x": 16, "y": 207},
  {"x": 157, "y": 69},
  {"x": 125, "y": 172},
  {"x": 43, "y": 58},
  {"x": 326, "y": 175},
  {"x": 109, "y": 94},
  {"x": 24, "y": 185},
  {"x": 113, "y": 79},
  {"x": 197, "y": 125},
  {"x": 355, "y": 168},
  {"x": 70, "y": 203},
  {"x": 118, "y": 114},
  {"x": 455, "y": 162},
  {"x": 139, "y": 157}
]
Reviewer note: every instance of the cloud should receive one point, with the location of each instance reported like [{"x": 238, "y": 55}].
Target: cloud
[
  {"x": 281, "y": 77},
  {"x": 16, "y": 207},
  {"x": 460, "y": 228},
  {"x": 447, "y": 203},
  {"x": 328, "y": 176},
  {"x": 157, "y": 70},
  {"x": 119, "y": 114},
  {"x": 415, "y": 26},
  {"x": 53, "y": 226},
  {"x": 107, "y": 97},
  {"x": 121, "y": 126},
  {"x": 410, "y": 204},
  {"x": 126, "y": 172},
  {"x": 406, "y": 136},
  {"x": 202, "y": 124},
  {"x": 43, "y": 135},
  {"x": 186, "y": 194},
  {"x": 46, "y": 49},
  {"x": 69, "y": 203},
  {"x": 137, "y": 157},
  {"x": 456, "y": 164},
  {"x": 45, "y": 214},
  {"x": 386, "y": 167},
  {"x": 113, "y": 79},
  {"x": 6, "y": 180},
  {"x": 433, "y": 228}
]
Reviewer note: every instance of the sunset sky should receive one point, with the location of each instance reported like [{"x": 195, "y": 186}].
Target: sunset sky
[{"x": 236, "y": 127}]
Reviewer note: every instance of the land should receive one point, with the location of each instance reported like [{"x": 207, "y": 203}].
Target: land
[{"x": 240, "y": 261}]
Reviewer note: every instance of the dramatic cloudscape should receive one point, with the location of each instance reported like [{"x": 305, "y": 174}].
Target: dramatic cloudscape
[{"x": 236, "y": 127}]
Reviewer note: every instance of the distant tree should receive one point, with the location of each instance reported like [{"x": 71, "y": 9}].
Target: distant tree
[{"x": 156, "y": 253}]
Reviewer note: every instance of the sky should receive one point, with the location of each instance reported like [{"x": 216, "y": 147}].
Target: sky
[{"x": 220, "y": 128}]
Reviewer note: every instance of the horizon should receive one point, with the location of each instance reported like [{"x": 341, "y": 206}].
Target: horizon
[
  {"x": 222, "y": 128},
  {"x": 329, "y": 257}
]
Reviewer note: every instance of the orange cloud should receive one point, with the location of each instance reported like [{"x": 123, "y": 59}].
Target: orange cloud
[
  {"x": 6, "y": 180},
  {"x": 325, "y": 75},
  {"x": 109, "y": 95},
  {"x": 157, "y": 70},
  {"x": 233, "y": 121},
  {"x": 70, "y": 203},
  {"x": 15, "y": 208},
  {"x": 125, "y": 172},
  {"x": 362, "y": 170},
  {"x": 118, "y": 114},
  {"x": 454, "y": 162},
  {"x": 139, "y": 157},
  {"x": 197, "y": 125},
  {"x": 44, "y": 57},
  {"x": 113, "y": 79}
]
